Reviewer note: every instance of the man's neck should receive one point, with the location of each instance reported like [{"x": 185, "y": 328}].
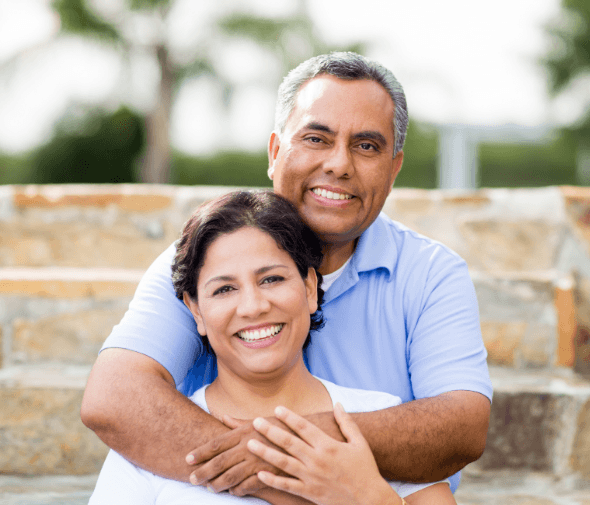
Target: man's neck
[{"x": 335, "y": 255}]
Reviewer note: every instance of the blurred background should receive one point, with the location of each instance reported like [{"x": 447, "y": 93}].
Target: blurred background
[{"x": 183, "y": 91}]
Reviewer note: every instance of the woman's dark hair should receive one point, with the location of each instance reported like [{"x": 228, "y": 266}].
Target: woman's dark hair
[{"x": 263, "y": 210}]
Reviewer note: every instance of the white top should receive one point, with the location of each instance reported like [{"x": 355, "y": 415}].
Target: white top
[{"x": 122, "y": 483}]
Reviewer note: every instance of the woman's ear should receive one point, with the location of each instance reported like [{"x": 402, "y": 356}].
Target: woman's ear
[
  {"x": 311, "y": 288},
  {"x": 194, "y": 308}
]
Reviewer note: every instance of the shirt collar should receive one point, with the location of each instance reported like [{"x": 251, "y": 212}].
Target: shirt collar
[{"x": 375, "y": 249}]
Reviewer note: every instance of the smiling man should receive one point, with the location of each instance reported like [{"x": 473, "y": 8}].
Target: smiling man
[{"x": 401, "y": 312}]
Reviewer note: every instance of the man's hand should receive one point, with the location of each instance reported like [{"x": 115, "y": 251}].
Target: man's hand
[
  {"x": 226, "y": 463},
  {"x": 310, "y": 462}
]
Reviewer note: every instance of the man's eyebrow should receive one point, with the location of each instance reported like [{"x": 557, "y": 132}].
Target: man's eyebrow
[
  {"x": 319, "y": 127},
  {"x": 371, "y": 135}
]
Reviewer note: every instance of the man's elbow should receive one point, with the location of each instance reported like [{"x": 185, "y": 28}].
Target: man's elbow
[{"x": 476, "y": 431}]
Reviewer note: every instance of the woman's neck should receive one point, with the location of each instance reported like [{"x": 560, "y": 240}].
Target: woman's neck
[{"x": 254, "y": 396}]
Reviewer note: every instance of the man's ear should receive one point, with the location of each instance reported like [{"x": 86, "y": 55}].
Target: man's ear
[
  {"x": 396, "y": 166},
  {"x": 194, "y": 308},
  {"x": 311, "y": 289},
  {"x": 273, "y": 148}
]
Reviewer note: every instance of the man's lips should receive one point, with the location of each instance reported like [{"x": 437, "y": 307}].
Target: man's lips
[{"x": 332, "y": 194}]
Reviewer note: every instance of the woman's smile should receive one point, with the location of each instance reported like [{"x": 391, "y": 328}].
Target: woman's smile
[{"x": 253, "y": 304}]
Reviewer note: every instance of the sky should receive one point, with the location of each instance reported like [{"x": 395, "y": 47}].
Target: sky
[{"x": 460, "y": 61}]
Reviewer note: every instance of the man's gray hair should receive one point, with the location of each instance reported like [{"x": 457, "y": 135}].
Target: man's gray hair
[{"x": 349, "y": 66}]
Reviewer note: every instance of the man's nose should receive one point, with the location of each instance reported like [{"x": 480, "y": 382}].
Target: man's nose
[
  {"x": 252, "y": 303},
  {"x": 339, "y": 161}
]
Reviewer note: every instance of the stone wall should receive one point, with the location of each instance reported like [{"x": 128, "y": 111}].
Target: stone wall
[{"x": 71, "y": 257}]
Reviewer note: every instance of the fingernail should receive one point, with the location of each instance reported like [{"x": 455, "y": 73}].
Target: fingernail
[
  {"x": 279, "y": 411},
  {"x": 194, "y": 480},
  {"x": 257, "y": 423},
  {"x": 190, "y": 459},
  {"x": 210, "y": 489},
  {"x": 252, "y": 444}
]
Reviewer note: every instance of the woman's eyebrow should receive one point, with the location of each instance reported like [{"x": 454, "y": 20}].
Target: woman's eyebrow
[{"x": 229, "y": 278}]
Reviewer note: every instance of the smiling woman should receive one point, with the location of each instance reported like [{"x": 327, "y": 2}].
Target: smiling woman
[{"x": 246, "y": 267}]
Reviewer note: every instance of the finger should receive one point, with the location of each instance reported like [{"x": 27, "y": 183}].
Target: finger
[
  {"x": 232, "y": 422},
  {"x": 292, "y": 486},
  {"x": 213, "y": 448},
  {"x": 282, "y": 438},
  {"x": 276, "y": 458},
  {"x": 307, "y": 431},
  {"x": 237, "y": 474},
  {"x": 213, "y": 468},
  {"x": 348, "y": 427},
  {"x": 250, "y": 486}
]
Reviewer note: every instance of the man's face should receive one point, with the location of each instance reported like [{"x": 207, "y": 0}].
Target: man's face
[{"x": 334, "y": 160}]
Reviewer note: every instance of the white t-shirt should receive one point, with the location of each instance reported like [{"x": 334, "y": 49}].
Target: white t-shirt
[{"x": 122, "y": 483}]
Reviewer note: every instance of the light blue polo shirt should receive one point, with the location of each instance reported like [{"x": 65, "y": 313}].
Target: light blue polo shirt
[{"x": 402, "y": 318}]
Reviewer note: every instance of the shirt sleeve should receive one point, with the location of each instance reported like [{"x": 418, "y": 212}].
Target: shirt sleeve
[
  {"x": 157, "y": 323},
  {"x": 445, "y": 348}
]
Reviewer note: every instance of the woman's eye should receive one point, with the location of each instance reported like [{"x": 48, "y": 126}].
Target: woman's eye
[
  {"x": 222, "y": 290},
  {"x": 271, "y": 279}
]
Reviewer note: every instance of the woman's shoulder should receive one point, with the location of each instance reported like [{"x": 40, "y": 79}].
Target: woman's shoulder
[{"x": 359, "y": 400}]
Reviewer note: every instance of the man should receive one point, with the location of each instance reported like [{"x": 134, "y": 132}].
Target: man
[{"x": 401, "y": 310}]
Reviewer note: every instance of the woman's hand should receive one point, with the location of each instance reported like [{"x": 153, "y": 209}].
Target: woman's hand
[{"x": 325, "y": 471}]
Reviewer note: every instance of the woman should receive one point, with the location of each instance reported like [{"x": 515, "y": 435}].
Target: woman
[{"x": 246, "y": 268}]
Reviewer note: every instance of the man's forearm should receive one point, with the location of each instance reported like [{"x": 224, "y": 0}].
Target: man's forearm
[
  {"x": 131, "y": 403},
  {"x": 424, "y": 440},
  {"x": 428, "y": 439}
]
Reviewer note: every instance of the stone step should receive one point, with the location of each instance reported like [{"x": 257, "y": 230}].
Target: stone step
[
  {"x": 477, "y": 488},
  {"x": 40, "y": 427},
  {"x": 540, "y": 421},
  {"x": 121, "y": 226},
  {"x": 46, "y": 490},
  {"x": 60, "y": 315},
  {"x": 520, "y": 487}
]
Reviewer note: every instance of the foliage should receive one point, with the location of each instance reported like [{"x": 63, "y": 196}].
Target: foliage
[
  {"x": 569, "y": 59},
  {"x": 102, "y": 148},
  {"x": 528, "y": 165}
]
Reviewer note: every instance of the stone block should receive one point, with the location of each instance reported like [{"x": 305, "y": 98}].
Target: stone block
[
  {"x": 538, "y": 422},
  {"x": 40, "y": 427},
  {"x": 581, "y": 452},
  {"x": 519, "y": 319},
  {"x": 511, "y": 245},
  {"x": 69, "y": 337}
]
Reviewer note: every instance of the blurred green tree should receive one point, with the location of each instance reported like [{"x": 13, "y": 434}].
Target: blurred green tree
[
  {"x": 568, "y": 63},
  {"x": 96, "y": 148},
  {"x": 291, "y": 39}
]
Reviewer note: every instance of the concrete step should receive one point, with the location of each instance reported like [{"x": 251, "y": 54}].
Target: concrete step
[
  {"x": 60, "y": 315},
  {"x": 540, "y": 421},
  {"x": 40, "y": 428}
]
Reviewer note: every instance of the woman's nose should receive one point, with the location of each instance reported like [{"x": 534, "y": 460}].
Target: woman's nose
[{"x": 252, "y": 303}]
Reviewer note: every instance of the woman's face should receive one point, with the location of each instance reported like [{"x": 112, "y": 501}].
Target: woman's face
[{"x": 253, "y": 304}]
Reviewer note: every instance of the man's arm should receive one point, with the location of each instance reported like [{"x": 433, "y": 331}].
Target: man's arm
[
  {"x": 132, "y": 404},
  {"x": 423, "y": 440}
]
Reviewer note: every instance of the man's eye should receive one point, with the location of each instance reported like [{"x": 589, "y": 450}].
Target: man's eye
[
  {"x": 315, "y": 140},
  {"x": 222, "y": 290},
  {"x": 367, "y": 147}
]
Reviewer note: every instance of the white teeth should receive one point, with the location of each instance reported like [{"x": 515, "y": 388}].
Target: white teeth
[
  {"x": 331, "y": 195},
  {"x": 253, "y": 336}
]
